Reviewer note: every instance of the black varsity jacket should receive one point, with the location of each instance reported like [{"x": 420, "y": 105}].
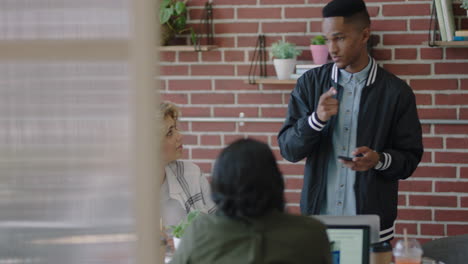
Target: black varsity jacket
[{"x": 387, "y": 122}]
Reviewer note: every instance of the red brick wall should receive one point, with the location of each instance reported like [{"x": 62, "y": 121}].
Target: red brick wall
[{"x": 434, "y": 201}]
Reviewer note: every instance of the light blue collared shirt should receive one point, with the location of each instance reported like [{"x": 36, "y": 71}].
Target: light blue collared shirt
[{"x": 340, "y": 199}]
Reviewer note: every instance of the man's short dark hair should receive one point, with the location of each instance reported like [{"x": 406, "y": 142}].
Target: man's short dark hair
[
  {"x": 246, "y": 181},
  {"x": 354, "y": 12}
]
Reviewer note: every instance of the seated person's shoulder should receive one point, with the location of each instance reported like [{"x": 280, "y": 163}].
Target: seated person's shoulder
[
  {"x": 299, "y": 224},
  {"x": 305, "y": 221},
  {"x": 190, "y": 165},
  {"x": 203, "y": 225},
  {"x": 185, "y": 166},
  {"x": 300, "y": 228}
]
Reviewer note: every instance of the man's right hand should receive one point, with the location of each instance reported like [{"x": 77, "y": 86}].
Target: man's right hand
[{"x": 328, "y": 106}]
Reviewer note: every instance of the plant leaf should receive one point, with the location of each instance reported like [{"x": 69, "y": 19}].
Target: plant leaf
[
  {"x": 180, "y": 23},
  {"x": 165, "y": 14},
  {"x": 193, "y": 36},
  {"x": 318, "y": 40},
  {"x": 180, "y": 8},
  {"x": 192, "y": 216},
  {"x": 284, "y": 50},
  {"x": 164, "y": 4},
  {"x": 178, "y": 230}
]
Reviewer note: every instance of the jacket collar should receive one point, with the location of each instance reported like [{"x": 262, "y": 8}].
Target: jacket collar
[{"x": 370, "y": 78}]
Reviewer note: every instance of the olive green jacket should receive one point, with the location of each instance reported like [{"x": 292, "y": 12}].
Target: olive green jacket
[{"x": 274, "y": 238}]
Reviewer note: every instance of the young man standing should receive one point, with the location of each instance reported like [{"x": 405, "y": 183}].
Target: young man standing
[{"x": 352, "y": 108}]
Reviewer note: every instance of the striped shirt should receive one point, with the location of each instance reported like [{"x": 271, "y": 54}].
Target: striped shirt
[{"x": 189, "y": 186}]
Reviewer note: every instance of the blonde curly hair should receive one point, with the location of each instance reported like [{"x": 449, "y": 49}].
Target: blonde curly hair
[{"x": 169, "y": 109}]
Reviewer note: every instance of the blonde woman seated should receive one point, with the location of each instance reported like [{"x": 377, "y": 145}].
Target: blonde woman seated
[{"x": 184, "y": 188}]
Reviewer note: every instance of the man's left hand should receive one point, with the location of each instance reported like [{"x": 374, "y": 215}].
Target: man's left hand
[{"x": 369, "y": 159}]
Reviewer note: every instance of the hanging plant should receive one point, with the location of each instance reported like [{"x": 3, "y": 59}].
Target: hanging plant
[
  {"x": 173, "y": 19},
  {"x": 464, "y": 4}
]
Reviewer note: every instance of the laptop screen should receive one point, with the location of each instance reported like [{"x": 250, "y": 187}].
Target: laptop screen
[
  {"x": 349, "y": 244},
  {"x": 373, "y": 221}
]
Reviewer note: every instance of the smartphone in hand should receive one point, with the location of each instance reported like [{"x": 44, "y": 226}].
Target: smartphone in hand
[{"x": 349, "y": 158}]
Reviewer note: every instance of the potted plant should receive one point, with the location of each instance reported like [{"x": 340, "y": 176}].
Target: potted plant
[
  {"x": 173, "y": 19},
  {"x": 178, "y": 230},
  {"x": 319, "y": 50},
  {"x": 465, "y": 6},
  {"x": 284, "y": 54}
]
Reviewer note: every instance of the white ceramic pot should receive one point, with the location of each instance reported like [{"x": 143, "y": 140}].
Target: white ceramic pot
[
  {"x": 319, "y": 53},
  {"x": 284, "y": 68},
  {"x": 176, "y": 242}
]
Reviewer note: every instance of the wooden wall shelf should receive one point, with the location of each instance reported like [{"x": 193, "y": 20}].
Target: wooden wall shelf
[
  {"x": 273, "y": 81},
  {"x": 187, "y": 48},
  {"x": 448, "y": 43}
]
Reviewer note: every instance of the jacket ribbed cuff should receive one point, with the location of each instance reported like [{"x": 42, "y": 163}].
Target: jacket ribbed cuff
[
  {"x": 385, "y": 164},
  {"x": 315, "y": 122}
]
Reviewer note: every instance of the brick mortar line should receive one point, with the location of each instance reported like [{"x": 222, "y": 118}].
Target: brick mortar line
[
  {"x": 275, "y": 121},
  {"x": 265, "y": 6},
  {"x": 228, "y": 92},
  {"x": 393, "y": 62},
  {"x": 245, "y": 77},
  {"x": 443, "y": 92},
  {"x": 387, "y": 62},
  {"x": 440, "y": 106},
  {"x": 245, "y": 105},
  {"x": 428, "y": 62},
  {"x": 201, "y": 77},
  {"x": 440, "y": 208},
  {"x": 235, "y": 134},
  {"x": 226, "y": 77},
  {"x": 293, "y": 176},
  {"x": 425, "y": 164},
  {"x": 457, "y": 150},
  {"x": 317, "y": 19},
  {"x": 437, "y": 194},
  {"x": 234, "y": 107},
  {"x": 434, "y": 134},
  {"x": 309, "y": 19},
  {"x": 421, "y": 236},
  {"x": 433, "y": 182},
  {"x": 430, "y": 222},
  {"x": 259, "y": 5}
]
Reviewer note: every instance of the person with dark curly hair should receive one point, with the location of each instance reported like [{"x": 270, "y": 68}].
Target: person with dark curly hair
[{"x": 251, "y": 225}]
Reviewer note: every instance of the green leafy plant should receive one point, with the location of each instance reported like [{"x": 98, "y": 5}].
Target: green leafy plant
[
  {"x": 318, "y": 40},
  {"x": 284, "y": 50},
  {"x": 178, "y": 230},
  {"x": 173, "y": 19},
  {"x": 464, "y": 4}
]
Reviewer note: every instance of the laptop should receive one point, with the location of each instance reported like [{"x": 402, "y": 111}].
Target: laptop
[
  {"x": 349, "y": 244},
  {"x": 373, "y": 221}
]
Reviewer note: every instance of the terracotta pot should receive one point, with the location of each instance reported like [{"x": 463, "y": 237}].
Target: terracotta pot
[{"x": 319, "y": 53}]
